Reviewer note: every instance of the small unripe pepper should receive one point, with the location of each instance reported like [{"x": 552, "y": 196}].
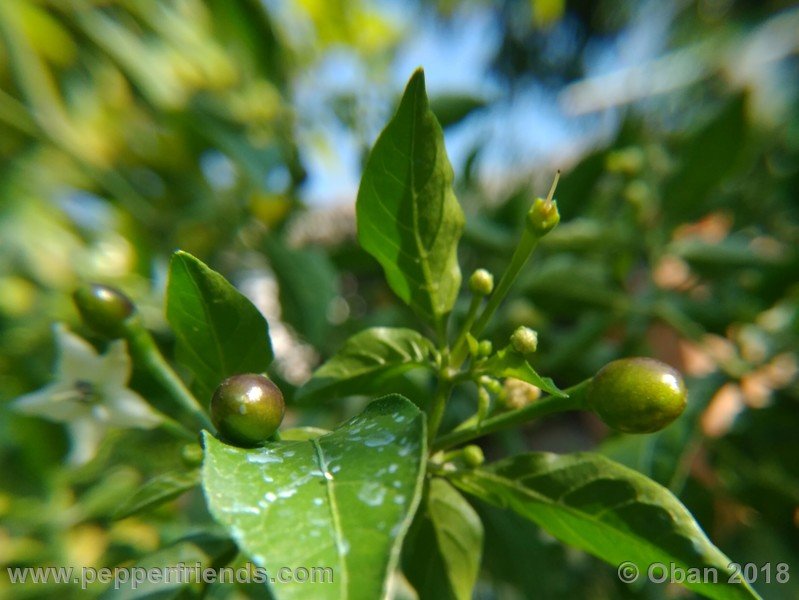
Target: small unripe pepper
[
  {"x": 247, "y": 409},
  {"x": 103, "y": 308},
  {"x": 637, "y": 395}
]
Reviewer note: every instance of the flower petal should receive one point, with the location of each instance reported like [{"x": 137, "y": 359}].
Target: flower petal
[
  {"x": 127, "y": 409},
  {"x": 77, "y": 358},
  {"x": 85, "y": 436},
  {"x": 56, "y": 402},
  {"x": 115, "y": 366}
]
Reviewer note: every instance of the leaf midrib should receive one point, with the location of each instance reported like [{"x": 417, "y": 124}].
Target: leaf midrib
[
  {"x": 420, "y": 248},
  {"x": 601, "y": 525},
  {"x": 334, "y": 516},
  {"x": 212, "y": 327}
]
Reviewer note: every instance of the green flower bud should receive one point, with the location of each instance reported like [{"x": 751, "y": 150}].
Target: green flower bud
[
  {"x": 104, "y": 309},
  {"x": 524, "y": 340},
  {"x": 542, "y": 217},
  {"x": 485, "y": 348},
  {"x": 481, "y": 282},
  {"x": 247, "y": 409},
  {"x": 192, "y": 455},
  {"x": 473, "y": 456},
  {"x": 637, "y": 395},
  {"x": 492, "y": 385}
]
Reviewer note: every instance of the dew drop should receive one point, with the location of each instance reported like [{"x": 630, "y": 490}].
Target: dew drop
[
  {"x": 381, "y": 438},
  {"x": 372, "y": 493},
  {"x": 263, "y": 458}
]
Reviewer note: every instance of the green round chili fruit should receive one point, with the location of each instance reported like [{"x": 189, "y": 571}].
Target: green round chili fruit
[
  {"x": 247, "y": 409},
  {"x": 637, "y": 395},
  {"x": 481, "y": 282},
  {"x": 524, "y": 340},
  {"x": 103, "y": 308}
]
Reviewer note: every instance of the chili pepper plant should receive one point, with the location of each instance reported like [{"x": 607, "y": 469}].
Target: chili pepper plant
[{"x": 385, "y": 500}]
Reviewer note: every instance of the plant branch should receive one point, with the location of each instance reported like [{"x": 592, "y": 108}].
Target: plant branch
[
  {"x": 527, "y": 244},
  {"x": 459, "y": 347},
  {"x": 539, "y": 408},
  {"x": 438, "y": 404}
]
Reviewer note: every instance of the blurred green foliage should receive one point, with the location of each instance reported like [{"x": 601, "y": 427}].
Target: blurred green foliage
[{"x": 131, "y": 128}]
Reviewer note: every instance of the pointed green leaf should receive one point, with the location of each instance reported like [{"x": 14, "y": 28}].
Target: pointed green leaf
[
  {"x": 510, "y": 363},
  {"x": 156, "y": 491},
  {"x": 365, "y": 361},
  {"x": 408, "y": 216},
  {"x": 343, "y": 500},
  {"x": 606, "y": 509},
  {"x": 441, "y": 558},
  {"x": 219, "y": 332}
]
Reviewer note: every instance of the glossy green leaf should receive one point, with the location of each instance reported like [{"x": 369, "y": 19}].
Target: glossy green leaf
[
  {"x": 219, "y": 332},
  {"x": 510, "y": 363},
  {"x": 366, "y": 360},
  {"x": 606, "y": 509},
  {"x": 408, "y": 216},
  {"x": 343, "y": 501},
  {"x": 307, "y": 284},
  {"x": 441, "y": 557},
  {"x": 156, "y": 491}
]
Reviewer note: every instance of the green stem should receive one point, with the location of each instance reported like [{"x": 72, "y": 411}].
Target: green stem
[
  {"x": 144, "y": 350},
  {"x": 437, "y": 405},
  {"x": 539, "y": 408},
  {"x": 532, "y": 234},
  {"x": 527, "y": 244},
  {"x": 459, "y": 348}
]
